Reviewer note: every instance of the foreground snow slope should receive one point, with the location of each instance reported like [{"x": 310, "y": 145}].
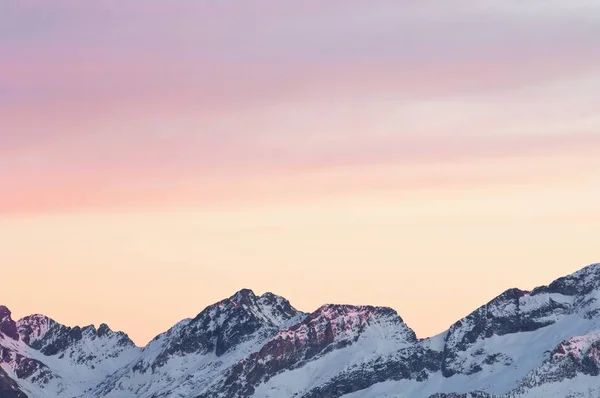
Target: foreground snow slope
[{"x": 521, "y": 344}]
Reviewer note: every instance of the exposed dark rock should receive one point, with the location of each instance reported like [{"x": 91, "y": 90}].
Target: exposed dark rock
[
  {"x": 570, "y": 358},
  {"x": 9, "y": 388},
  {"x": 8, "y": 327},
  {"x": 56, "y": 338},
  {"x": 250, "y": 340},
  {"x": 228, "y": 323},
  {"x": 501, "y": 316},
  {"x": 330, "y": 328},
  {"x": 578, "y": 284},
  {"x": 413, "y": 364}
]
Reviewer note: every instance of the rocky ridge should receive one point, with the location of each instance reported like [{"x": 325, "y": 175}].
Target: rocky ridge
[{"x": 520, "y": 344}]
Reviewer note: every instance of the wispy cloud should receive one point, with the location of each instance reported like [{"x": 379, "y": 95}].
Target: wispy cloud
[{"x": 182, "y": 91}]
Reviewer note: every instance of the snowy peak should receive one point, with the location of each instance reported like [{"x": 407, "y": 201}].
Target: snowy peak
[
  {"x": 343, "y": 324},
  {"x": 523, "y": 344},
  {"x": 63, "y": 361},
  {"x": 269, "y": 308},
  {"x": 277, "y": 309},
  {"x": 362, "y": 314},
  {"x": 34, "y": 327},
  {"x": 579, "y": 283},
  {"x": 4, "y": 313},
  {"x": 327, "y": 331},
  {"x": 217, "y": 338},
  {"x": 500, "y": 316},
  {"x": 8, "y": 327},
  {"x": 104, "y": 332},
  {"x": 517, "y": 310},
  {"x": 228, "y": 323},
  {"x": 52, "y": 338},
  {"x": 243, "y": 295},
  {"x": 512, "y": 335}
]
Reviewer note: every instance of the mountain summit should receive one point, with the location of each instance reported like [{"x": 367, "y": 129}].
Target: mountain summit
[
  {"x": 8, "y": 327},
  {"x": 541, "y": 343}
]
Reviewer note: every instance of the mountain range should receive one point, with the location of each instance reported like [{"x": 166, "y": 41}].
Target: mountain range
[{"x": 525, "y": 344}]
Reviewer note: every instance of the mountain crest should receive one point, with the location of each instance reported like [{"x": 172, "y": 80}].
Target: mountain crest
[
  {"x": 581, "y": 282},
  {"x": 34, "y": 327},
  {"x": 4, "y": 312},
  {"x": 270, "y": 309},
  {"x": 243, "y": 295},
  {"x": 363, "y": 312},
  {"x": 223, "y": 326},
  {"x": 8, "y": 327},
  {"x": 519, "y": 344}
]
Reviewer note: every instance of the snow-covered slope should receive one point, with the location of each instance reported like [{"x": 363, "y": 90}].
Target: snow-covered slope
[
  {"x": 185, "y": 359},
  {"x": 322, "y": 354},
  {"x": 48, "y": 359},
  {"x": 508, "y": 347},
  {"x": 521, "y": 344}
]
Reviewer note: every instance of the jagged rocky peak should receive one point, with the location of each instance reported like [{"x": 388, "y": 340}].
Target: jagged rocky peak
[
  {"x": 330, "y": 328},
  {"x": 33, "y": 327},
  {"x": 219, "y": 336},
  {"x": 334, "y": 326},
  {"x": 518, "y": 310},
  {"x": 332, "y": 320},
  {"x": 226, "y": 324},
  {"x": 35, "y": 330},
  {"x": 51, "y": 338},
  {"x": 4, "y": 312},
  {"x": 339, "y": 325},
  {"x": 248, "y": 344},
  {"x": 360, "y": 312},
  {"x": 581, "y": 282},
  {"x": 243, "y": 295},
  {"x": 499, "y": 316},
  {"x": 514, "y": 311},
  {"x": 104, "y": 331},
  {"x": 8, "y": 327},
  {"x": 570, "y": 299},
  {"x": 270, "y": 308}
]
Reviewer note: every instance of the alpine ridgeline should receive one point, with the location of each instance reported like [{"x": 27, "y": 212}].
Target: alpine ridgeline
[{"x": 542, "y": 343}]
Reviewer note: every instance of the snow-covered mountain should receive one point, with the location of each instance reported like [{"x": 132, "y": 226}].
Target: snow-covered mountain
[
  {"x": 543, "y": 343},
  {"x": 47, "y": 359}
]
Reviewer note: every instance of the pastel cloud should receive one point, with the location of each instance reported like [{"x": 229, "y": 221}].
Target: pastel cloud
[{"x": 197, "y": 91}]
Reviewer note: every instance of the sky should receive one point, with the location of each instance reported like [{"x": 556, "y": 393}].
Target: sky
[{"x": 157, "y": 156}]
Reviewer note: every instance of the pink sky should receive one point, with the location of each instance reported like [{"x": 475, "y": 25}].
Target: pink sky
[{"x": 194, "y": 124}]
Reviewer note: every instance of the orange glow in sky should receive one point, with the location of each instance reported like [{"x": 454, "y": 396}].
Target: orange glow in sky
[{"x": 156, "y": 158}]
